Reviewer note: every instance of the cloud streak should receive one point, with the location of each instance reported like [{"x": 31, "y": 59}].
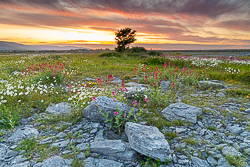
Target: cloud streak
[{"x": 194, "y": 21}]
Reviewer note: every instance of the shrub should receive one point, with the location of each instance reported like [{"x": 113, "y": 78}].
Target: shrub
[
  {"x": 137, "y": 49},
  {"x": 110, "y": 54},
  {"x": 154, "y": 53}
]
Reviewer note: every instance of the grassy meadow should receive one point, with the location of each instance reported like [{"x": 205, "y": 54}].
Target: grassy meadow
[{"x": 29, "y": 83}]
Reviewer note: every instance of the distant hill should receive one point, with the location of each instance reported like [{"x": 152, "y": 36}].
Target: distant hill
[{"x": 16, "y": 46}]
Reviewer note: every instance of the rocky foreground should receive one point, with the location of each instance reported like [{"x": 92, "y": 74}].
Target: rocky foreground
[{"x": 101, "y": 147}]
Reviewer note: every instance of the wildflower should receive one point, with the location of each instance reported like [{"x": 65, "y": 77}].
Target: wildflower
[
  {"x": 173, "y": 84},
  {"x": 41, "y": 101},
  {"x": 146, "y": 100},
  {"x": 19, "y": 101},
  {"x": 116, "y": 113},
  {"x": 94, "y": 98},
  {"x": 113, "y": 93},
  {"x": 135, "y": 70},
  {"x": 135, "y": 103}
]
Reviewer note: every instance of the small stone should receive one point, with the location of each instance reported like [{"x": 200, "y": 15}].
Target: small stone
[
  {"x": 10, "y": 153},
  {"x": 81, "y": 156},
  {"x": 211, "y": 161},
  {"x": 61, "y": 144},
  {"x": 60, "y": 108},
  {"x": 181, "y": 130},
  {"x": 197, "y": 162},
  {"x": 61, "y": 135},
  {"x": 220, "y": 94}
]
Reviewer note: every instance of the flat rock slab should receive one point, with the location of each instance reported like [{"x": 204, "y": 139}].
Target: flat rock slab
[
  {"x": 114, "y": 148},
  {"x": 181, "y": 111},
  {"x": 23, "y": 164},
  {"x": 61, "y": 144},
  {"x": 94, "y": 162},
  {"x": 212, "y": 84},
  {"x": 148, "y": 140},
  {"x": 3, "y": 150},
  {"x": 197, "y": 162},
  {"x": 60, "y": 108},
  {"x": 106, "y": 105},
  {"x": 56, "y": 161},
  {"x": 23, "y": 133},
  {"x": 235, "y": 129},
  {"x": 230, "y": 151}
]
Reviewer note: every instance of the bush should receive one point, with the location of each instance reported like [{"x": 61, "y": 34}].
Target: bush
[
  {"x": 137, "y": 50},
  {"x": 110, "y": 54},
  {"x": 154, "y": 53}
]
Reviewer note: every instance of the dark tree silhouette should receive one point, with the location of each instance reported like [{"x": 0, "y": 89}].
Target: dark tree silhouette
[{"x": 124, "y": 37}]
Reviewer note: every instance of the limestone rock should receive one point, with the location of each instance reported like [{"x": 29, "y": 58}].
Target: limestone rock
[
  {"x": 23, "y": 133},
  {"x": 56, "y": 161},
  {"x": 230, "y": 151},
  {"x": 3, "y": 150},
  {"x": 181, "y": 111},
  {"x": 148, "y": 140},
  {"x": 61, "y": 144},
  {"x": 60, "y": 108},
  {"x": 211, "y": 161},
  {"x": 235, "y": 129},
  {"x": 197, "y": 162},
  {"x": 106, "y": 105},
  {"x": 212, "y": 84},
  {"x": 220, "y": 94},
  {"x": 114, "y": 148},
  {"x": 91, "y": 162}
]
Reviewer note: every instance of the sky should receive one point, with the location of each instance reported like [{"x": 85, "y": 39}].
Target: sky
[{"x": 160, "y": 24}]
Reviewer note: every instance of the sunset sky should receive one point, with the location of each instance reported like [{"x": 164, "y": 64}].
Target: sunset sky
[{"x": 160, "y": 24}]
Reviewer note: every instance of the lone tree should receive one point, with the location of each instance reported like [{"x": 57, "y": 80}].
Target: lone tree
[{"x": 124, "y": 37}]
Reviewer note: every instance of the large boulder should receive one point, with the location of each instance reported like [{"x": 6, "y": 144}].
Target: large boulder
[
  {"x": 60, "y": 108},
  {"x": 114, "y": 148},
  {"x": 212, "y": 84},
  {"x": 92, "y": 162},
  {"x": 106, "y": 105},
  {"x": 181, "y": 111},
  {"x": 23, "y": 133},
  {"x": 148, "y": 140}
]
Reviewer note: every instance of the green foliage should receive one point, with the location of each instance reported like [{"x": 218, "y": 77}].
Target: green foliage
[
  {"x": 29, "y": 145},
  {"x": 124, "y": 37},
  {"x": 171, "y": 135},
  {"x": 190, "y": 141},
  {"x": 236, "y": 160},
  {"x": 137, "y": 49},
  {"x": 9, "y": 116},
  {"x": 150, "y": 162},
  {"x": 49, "y": 77},
  {"x": 121, "y": 118},
  {"x": 110, "y": 54},
  {"x": 154, "y": 53},
  {"x": 212, "y": 128}
]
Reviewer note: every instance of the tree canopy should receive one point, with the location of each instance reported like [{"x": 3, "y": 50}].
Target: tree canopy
[{"x": 124, "y": 37}]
